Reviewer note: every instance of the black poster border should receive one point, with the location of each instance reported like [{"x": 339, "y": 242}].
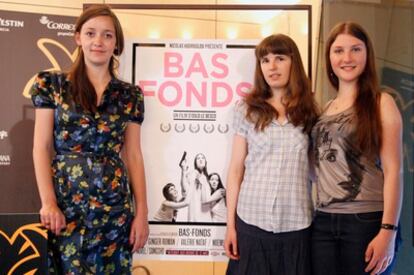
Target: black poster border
[{"x": 218, "y": 7}]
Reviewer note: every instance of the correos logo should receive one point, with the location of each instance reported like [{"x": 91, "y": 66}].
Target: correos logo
[{"x": 55, "y": 25}]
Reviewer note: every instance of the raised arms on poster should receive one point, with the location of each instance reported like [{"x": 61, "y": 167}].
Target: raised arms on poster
[
  {"x": 169, "y": 207},
  {"x": 202, "y": 194}
]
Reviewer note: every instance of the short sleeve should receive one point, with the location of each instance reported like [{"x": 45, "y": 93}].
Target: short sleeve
[
  {"x": 240, "y": 123},
  {"x": 137, "y": 99},
  {"x": 42, "y": 91}
]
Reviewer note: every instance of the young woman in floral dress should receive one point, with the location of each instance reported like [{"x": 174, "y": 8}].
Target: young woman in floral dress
[{"x": 89, "y": 118}]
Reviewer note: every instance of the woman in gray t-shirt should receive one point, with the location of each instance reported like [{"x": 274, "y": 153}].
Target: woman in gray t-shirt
[{"x": 357, "y": 153}]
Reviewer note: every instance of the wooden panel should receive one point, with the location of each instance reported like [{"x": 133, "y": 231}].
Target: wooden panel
[
  {"x": 146, "y": 267},
  {"x": 220, "y": 268}
]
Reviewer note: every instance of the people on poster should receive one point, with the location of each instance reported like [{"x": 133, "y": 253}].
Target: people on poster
[
  {"x": 357, "y": 152},
  {"x": 89, "y": 117},
  {"x": 192, "y": 186},
  {"x": 169, "y": 207},
  {"x": 201, "y": 192},
  {"x": 268, "y": 188},
  {"x": 215, "y": 196}
]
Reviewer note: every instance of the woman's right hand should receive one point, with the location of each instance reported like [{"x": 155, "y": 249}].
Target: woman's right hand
[
  {"x": 230, "y": 244},
  {"x": 52, "y": 218}
]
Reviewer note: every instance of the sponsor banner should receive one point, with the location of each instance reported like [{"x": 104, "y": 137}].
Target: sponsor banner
[
  {"x": 23, "y": 244},
  {"x": 7, "y": 24},
  {"x": 30, "y": 42},
  {"x": 190, "y": 88}
]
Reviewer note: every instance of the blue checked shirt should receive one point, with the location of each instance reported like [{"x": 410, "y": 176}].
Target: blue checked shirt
[{"x": 275, "y": 194}]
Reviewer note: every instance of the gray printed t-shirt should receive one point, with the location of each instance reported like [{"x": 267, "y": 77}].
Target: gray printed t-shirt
[{"x": 346, "y": 180}]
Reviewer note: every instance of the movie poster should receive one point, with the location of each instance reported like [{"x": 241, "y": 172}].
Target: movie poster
[{"x": 190, "y": 88}]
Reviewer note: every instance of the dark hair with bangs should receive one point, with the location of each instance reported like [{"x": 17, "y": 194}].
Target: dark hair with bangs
[
  {"x": 301, "y": 108},
  {"x": 166, "y": 191},
  {"x": 82, "y": 89},
  {"x": 220, "y": 183},
  {"x": 369, "y": 130}
]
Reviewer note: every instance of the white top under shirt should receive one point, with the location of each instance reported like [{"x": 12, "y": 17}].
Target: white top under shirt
[{"x": 275, "y": 193}]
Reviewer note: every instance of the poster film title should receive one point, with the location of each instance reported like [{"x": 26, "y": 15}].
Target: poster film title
[{"x": 211, "y": 91}]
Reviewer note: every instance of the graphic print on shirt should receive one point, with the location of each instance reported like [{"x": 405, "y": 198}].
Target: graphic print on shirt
[{"x": 328, "y": 134}]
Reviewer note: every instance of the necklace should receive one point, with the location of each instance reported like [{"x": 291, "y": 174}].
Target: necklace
[
  {"x": 339, "y": 105},
  {"x": 334, "y": 104}
]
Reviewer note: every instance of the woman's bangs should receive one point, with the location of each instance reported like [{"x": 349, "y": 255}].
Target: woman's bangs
[{"x": 274, "y": 47}]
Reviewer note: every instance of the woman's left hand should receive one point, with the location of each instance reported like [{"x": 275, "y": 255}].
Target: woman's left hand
[
  {"x": 380, "y": 252},
  {"x": 139, "y": 233}
]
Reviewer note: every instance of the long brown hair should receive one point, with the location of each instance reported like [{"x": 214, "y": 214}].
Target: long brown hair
[
  {"x": 82, "y": 89},
  {"x": 299, "y": 102},
  {"x": 369, "y": 130}
]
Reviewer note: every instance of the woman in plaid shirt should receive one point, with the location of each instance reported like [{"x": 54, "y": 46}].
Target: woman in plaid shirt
[{"x": 268, "y": 190}]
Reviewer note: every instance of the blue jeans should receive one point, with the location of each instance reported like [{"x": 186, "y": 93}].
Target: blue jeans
[{"x": 339, "y": 242}]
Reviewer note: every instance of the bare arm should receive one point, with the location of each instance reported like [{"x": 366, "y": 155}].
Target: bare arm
[
  {"x": 234, "y": 180},
  {"x": 176, "y": 204},
  {"x": 132, "y": 156},
  {"x": 50, "y": 214},
  {"x": 391, "y": 156},
  {"x": 381, "y": 250},
  {"x": 207, "y": 197}
]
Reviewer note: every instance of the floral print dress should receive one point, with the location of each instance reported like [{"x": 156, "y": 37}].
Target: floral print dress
[{"x": 90, "y": 179}]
